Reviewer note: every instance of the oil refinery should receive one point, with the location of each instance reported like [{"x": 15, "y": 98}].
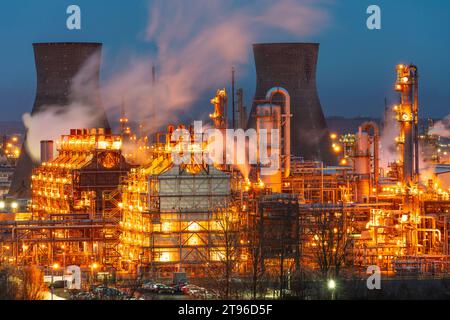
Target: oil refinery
[{"x": 117, "y": 203}]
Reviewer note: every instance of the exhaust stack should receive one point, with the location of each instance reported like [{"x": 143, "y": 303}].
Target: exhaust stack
[{"x": 46, "y": 151}]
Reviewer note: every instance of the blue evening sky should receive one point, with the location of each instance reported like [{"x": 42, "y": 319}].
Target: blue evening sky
[{"x": 356, "y": 67}]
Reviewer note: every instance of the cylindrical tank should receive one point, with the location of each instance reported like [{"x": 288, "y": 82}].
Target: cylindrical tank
[
  {"x": 362, "y": 153},
  {"x": 66, "y": 73},
  {"x": 292, "y": 66},
  {"x": 285, "y": 133},
  {"x": 46, "y": 151},
  {"x": 362, "y": 165},
  {"x": 268, "y": 117}
]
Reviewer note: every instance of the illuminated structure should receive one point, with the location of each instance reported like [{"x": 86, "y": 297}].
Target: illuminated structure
[
  {"x": 366, "y": 162},
  {"x": 6, "y": 173},
  {"x": 89, "y": 164},
  {"x": 66, "y": 73},
  {"x": 74, "y": 203},
  {"x": 10, "y": 148},
  {"x": 135, "y": 147},
  {"x": 9, "y": 153},
  {"x": 169, "y": 211},
  {"x": 163, "y": 216},
  {"x": 408, "y": 227},
  {"x": 220, "y": 103},
  {"x": 408, "y": 116}
]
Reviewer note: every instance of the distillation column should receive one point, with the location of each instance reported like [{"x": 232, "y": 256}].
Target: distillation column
[{"x": 408, "y": 117}]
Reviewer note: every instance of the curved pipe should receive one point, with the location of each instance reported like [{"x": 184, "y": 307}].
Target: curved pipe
[
  {"x": 287, "y": 125},
  {"x": 429, "y": 218},
  {"x": 376, "y": 135},
  {"x": 431, "y": 230}
]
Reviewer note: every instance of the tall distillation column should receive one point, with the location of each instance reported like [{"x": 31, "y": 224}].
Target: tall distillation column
[
  {"x": 408, "y": 116},
  {"x": 219, "y": 118},
  {"x": 366, "y": 162}
]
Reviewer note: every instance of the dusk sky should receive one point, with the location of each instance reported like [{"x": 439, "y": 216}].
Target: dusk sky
[{"x": 356, "y": 68}]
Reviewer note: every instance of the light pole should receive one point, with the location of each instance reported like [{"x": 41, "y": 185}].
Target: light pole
[
  {"x": 93, "y": 267},
  {"x": 55, "y": 266},
  {"x": 64, "y": 266},
  {"x": 332, "y": 287}
]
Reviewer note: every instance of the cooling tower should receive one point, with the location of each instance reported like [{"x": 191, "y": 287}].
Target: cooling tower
[
  {"x": 67, "y": 73},
  {"x": 292, "y": 66}
]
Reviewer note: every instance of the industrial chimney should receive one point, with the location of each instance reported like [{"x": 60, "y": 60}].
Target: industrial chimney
[
  {"x": 292, "y": 67},
  {"x": 58, "y": 67},
  {"x": 46, "y": 151}
]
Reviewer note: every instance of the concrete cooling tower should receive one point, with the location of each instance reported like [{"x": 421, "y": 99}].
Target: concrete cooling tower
[
  {"x": 292, "y": 66},
  {"x": 67, "y": 73}
]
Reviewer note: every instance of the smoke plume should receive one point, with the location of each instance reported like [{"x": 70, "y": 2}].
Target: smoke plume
[
  {"x": 442, "y": 128},
  {"x": 426, "y": 167},
  {"x": 51, "y": 121},
  {"x": 388, "y": 145},
  {"x": 197, "y": 43}
]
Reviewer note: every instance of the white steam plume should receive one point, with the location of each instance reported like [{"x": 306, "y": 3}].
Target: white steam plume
[
  {"x": 388, "y": 145},
  {"x": 197, "y": 43},
  {"x": 51, "y": 121},
  {"x": 427, "y": 170},
  {"x": 442, "y": 128}
]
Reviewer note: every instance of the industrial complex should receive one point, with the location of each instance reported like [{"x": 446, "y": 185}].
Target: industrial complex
[{"x": 121, "y": 203}]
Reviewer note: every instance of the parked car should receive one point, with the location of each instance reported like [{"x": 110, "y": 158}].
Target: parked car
[
  {"x": 188, "y": 288},
  {"x": 195, "y": 291},
  {"x": 162, "y": 288},
  {"x": 148, "y": 285}
]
